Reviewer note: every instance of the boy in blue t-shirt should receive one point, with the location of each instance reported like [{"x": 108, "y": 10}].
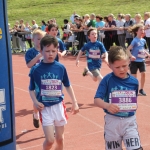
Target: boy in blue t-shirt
[
  {"x": 117, "y": 95},
  {"x": 33, "y": 57},
  {"x": 95, "y": 50},
  {"x": 138, "y": 54},
  {"x": 53, "y": 31},
  {"x": 46, "y": 80}
]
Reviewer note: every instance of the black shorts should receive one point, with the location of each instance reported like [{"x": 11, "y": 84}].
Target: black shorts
[{"x": 134, "y": 66}]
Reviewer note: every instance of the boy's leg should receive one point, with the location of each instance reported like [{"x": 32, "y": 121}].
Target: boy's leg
[
  {"x": 113, "y": 139},
  {"x": 59, "y": 136},
  {"x": 94, "y": 74},
  {"x": 49, "y": 137},
  {"x": 131, "y": 136}
]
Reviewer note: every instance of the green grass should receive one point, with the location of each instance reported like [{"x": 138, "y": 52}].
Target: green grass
[{"x": 61, "y": 9}]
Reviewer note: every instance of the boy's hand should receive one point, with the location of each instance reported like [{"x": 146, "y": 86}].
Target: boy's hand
[
  {"x": 132, "y": 58},
  {"x": 112, "y": 108},
  {"x": 59, "y": 54},
  {"x": 39, "y": 106},
  {"x": 75, "y": 108},
  {"x": 77, "y": 63}
]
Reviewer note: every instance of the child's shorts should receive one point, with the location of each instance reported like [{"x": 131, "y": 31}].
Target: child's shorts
[
  {"x": 134, "y": 66},
  {"x": 95, "y": 72},
  {"x": 119, "y": 129},
  {"x": 54, "y": 115}
]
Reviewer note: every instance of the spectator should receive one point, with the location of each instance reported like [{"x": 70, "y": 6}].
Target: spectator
[
  {"x": 147, "y": 28},
  {"x": 92, "y": 22},
  {"x": 28, "y": 36},
  {"x": 120, "y": 31},
  {"x": 21, "y": 36},
  {"x": 99, "y": 25},
  {"x": 86, "y": 21},
  {"x": 66, "y": 29},
  {"x": 127, "y": 24},
  {"x": 35, "y": 26},
  {"x": 138, "y": 19},
  {"x": 72, "y": 17},
  {"x": 106, "y": 39},
  {"x": 43, "y": 26},
  {"x": 113, "y": 38}
]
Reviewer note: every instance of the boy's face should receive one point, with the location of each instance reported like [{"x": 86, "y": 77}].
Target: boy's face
[
  {"x": 36, "y": 40},
  {"x": 49, "y": 53},
  {"x": 53, "y": 32},
  {"x": 93, "y": 36},
  {"x": 120, "y": 68}
]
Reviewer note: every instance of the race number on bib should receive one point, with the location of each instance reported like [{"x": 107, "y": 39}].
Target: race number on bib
[
  {"x": 95, "y": 54},
  {"x": 51, "y": 88},
  {"x": 125, "y": 100},
  {"x": 141, "y": 53}
]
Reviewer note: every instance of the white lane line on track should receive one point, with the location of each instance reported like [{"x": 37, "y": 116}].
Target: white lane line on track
[
  {"x": 144, "y": 104},
  {"x": 30, "y": 147},
  {"x": 90, "y": 121}
]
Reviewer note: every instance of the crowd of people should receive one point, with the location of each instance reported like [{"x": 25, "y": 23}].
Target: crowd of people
[{"x": 117, "y": 92}]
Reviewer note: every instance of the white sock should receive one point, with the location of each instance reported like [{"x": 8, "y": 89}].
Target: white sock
[{"x": 36, "y": 115}]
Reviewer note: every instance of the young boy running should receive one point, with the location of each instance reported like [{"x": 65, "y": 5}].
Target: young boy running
[
  {"x": 138, "y": 54},
  {"x": 117, "y": 95},
  {"x": 95, "y": 50},
  {"x": 46, "y": 80},
  {"x": 33, "y": 57},
  {"x": 53, "y": 31}
]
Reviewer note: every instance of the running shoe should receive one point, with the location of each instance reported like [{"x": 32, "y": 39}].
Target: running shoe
[
  {"x": 85, "y": 71},
  {"x": 141, "y": 91},
  {"x": 36, "y": 122}
]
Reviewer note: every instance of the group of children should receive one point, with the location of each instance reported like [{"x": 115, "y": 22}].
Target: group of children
[{"x": 116, "y": 94}]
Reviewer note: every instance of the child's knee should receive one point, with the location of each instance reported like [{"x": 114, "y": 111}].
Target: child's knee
[
  {"x": 95, "y": 79},
  {"x": 49, "y": 142},
  {"x": 59, "y": 140}
]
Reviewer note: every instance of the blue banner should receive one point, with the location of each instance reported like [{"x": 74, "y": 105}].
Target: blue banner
[{"x": 7, "y": 125}]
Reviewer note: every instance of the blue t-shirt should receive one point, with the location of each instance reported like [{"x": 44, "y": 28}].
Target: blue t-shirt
[
  {"x": 43, "y": 27},
  {"x": 30, "y": 54},
  {"x": 111, "y": 83},
  {"x": 46, "y": 79},
  {"x": 61, "y": 48},
  {"x": 93, "y": 53},
  {"x": 100, "y": 24},
  {"x": 138, "y": 49}
]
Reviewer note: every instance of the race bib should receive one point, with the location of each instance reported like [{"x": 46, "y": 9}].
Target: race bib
[
  {"x": 51, "y": 88},
  {"x": 125, "y": 100},
  {"x": 94, "y": 54},
  {"x": 141, "y": 53}
]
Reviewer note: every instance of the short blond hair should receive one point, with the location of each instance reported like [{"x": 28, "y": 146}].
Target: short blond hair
[
  {"x": 117, "y": 53},
  {"x": 147, "y": 14},
  {"x": 87, "y": 15},
  {"x": 38, "y": 32},
  {"x": 138, "y": 16}
]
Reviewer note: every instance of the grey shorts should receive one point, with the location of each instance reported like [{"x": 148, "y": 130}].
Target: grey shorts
[
  {"x": 119, "y": 129},
  {"x": 95, "y": 72}
]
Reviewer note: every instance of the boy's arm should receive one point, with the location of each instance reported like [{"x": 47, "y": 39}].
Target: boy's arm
[
  {"x": 75, "y": 107},
  {"x": 34, "y": 60},
  {"x": 37, "y": 104},
  {"x": 105, "y": 57},
  {"x": 129, "y": 53},
  {"x": 78, "y": 57},
  {"x": 109, "y": 107}
]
